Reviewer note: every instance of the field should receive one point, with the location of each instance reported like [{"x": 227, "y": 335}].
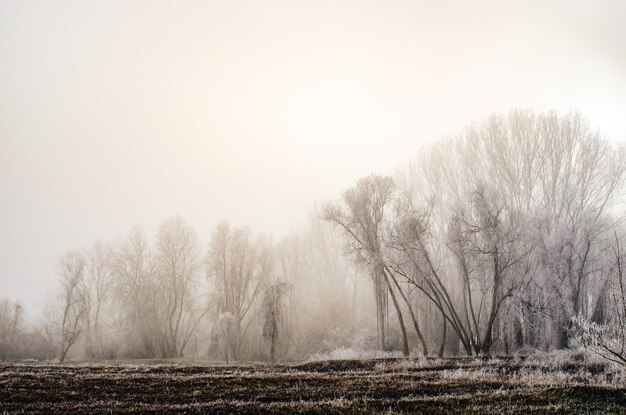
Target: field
[{"x": 429, "y": 386}]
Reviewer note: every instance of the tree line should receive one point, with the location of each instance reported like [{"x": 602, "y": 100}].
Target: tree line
[{"x": 503, "y": 239}]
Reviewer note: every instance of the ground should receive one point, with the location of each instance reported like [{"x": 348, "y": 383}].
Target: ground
[{"x": 427, "y": 386}]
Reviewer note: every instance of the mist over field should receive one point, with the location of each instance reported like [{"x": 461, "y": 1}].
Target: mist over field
[{"x": 425, "y": 197}]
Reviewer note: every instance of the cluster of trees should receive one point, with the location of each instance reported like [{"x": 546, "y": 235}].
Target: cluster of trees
[
  {"x": 242, "y": 297},
  {"x": 17, "y": 341},
  {"x": 136, "y": 291},
  {"x": 506, "y": 238},
  {"x": 497, "y": 238}
]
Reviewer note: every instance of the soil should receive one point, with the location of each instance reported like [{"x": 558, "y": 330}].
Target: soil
[{"x": 329, "y": 387}]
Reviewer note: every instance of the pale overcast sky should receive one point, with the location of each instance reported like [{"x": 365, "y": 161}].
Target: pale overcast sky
[{"x": 115, "y": 113}]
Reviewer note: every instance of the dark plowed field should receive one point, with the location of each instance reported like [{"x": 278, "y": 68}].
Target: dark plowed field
[{"x": 372, "y": 386}]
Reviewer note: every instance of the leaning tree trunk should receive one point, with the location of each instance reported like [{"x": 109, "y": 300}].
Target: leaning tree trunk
[
  {"x": 405, "y": 342},
  {"x": 412, "y": 314}
]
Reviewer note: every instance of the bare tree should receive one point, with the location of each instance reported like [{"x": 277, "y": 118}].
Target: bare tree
[
  {"x": 492, "y": 263},
  {"x": 73, "y": 301},
  {"x": 489, "y": 241},
  {"x": 289, "y": 267},
  {"x": 237, "y": 268},
  {"x": 608, "y": 340},
  {"x": 493, "y": 253},
  {"x": 272, "y": 315},
  {"x": 554, "y": 171},
  {"x": 95, "y": 289},
  {"x": 136, "y": 287},
  {"x": 362, "y": 218},
  {"x": 11, "y": 326},
  {"x": 176, "y": 267}
]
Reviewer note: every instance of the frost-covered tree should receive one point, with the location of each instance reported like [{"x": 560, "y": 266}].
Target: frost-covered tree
[
  {"x": 363, "y": 218},
  {"x": 608, "y": 339},
  {"x": 176, "y": 268},
  {"x": 238, "y": 265},
  {"x": 11, "y": 327},
  {"x": 272, "y": 315},
  {"x": 136, "y": 287},
  {"x": 489, "y": 241},
  {"x": 560, "y": 177},
  {"x": 470, "y": 274},
  {"x": 98, "y": 283},
  {"x": 70, "y": 322}
]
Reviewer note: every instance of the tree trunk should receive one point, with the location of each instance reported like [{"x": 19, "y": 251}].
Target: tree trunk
[
  {"x": 414, "y": 320},
  {"x": 442, "y": 347},
  {"x": 405, "y": 342},
  {"x": 273, "y": 345},
  {"x": 379, "y": 292}
]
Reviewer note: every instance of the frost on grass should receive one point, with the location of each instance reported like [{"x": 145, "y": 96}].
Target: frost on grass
[
  {"x": 350, "y": 354},
  {"x": 542, "y": 383}
]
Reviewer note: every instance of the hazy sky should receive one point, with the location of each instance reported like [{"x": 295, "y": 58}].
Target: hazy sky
[{"x": 115, "y": 113}]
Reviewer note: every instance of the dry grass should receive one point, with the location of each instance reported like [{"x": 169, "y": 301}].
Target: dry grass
[{"x": 566, "y": 384}]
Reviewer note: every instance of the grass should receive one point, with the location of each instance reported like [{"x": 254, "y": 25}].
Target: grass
[{"x": 533, "y": 385}]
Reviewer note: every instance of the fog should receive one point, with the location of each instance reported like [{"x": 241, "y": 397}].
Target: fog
[{"x": 114, "y": 114}]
